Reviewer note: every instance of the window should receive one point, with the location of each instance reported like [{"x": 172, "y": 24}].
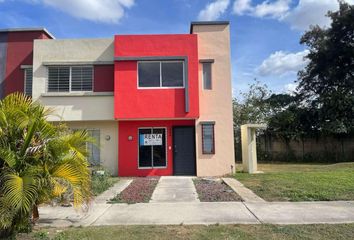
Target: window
[
  {"x": 152, "y": 148},
  {"x": 149, "y": 74},
  {"x": 70, "y": 78},
  {"x": 93, "y": 148},
  {"x": 172, "y": 74},
  {"x": 28, "y": 81},
  {"x": 208, "y": 140},
  {"x": 160, "y": 74},
  {"x": 81, "y": 78},
  {"x": 207, "y": 75}
]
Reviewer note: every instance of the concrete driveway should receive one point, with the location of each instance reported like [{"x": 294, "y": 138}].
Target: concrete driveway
[{"x": 174, "y": 189}]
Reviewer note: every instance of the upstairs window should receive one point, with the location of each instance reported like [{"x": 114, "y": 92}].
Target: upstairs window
[
  {"x": 161, "y": 74},
  {"x": 70, "y": 78},
  {"x": 207, "y": 80},
  {"x": 208, "y": 138},
  {"x": 28, "y": 81},
  {"x": 207, "y": 76}
]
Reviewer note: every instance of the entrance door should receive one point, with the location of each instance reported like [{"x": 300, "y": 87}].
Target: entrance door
[{"x": 184, "y": 151}]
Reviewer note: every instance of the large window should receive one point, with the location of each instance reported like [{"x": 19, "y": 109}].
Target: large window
[
  {"x": 28, "y": 81},
  {"x": 70, "y": 78},
  {"x": 208, "y": 138},
  {"x": 152, "y": 147},
  {"x": 160, "y": 74}
]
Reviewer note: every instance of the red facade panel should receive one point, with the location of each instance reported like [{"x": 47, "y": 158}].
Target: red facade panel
[
  {"x": 103, "y": 78},
  {"x": 19, "y": 52},
  {"x": 128, "y": 147},
  {"x": 132, "y": 102}
]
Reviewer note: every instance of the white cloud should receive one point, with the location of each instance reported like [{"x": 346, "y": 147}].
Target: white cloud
[
  {"x": 107, "y": 11},
  {"x": 312, "y": 12},
  {"x": 213, "y": 10},
  {"x": 242, "y": 6},
  {"x": 273, "y": 9},
  {"x": 306, "y": 13},
  {"x": 281, "y": 63}
]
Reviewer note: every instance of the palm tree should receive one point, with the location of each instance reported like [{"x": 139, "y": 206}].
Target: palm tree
[{"x": 39, "y": 161}]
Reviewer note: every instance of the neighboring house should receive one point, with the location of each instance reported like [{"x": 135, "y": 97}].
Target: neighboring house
[{"x": 157, "y": 104}]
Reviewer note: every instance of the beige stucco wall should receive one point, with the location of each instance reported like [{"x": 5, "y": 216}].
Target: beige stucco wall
[
  {"x": 215, "y": 104},
  {"x": 78, "y": 106},
  {"x": 108, "y": 148}
]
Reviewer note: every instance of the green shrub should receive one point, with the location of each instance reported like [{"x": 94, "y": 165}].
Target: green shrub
[
  {"x": 41, "y": 235},
  {"x": 101, "y": 183}
]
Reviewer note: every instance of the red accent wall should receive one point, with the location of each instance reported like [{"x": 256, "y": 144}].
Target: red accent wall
[
  {"x": 133, "y": 103},
  {"x": 19, "y": 52},
  {"x": 103, "y": 78},
  {"x": 128, "y": 150}
]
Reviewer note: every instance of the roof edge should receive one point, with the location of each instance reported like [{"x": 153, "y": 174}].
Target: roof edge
[
  {"x": 34, "y": 29},
  {"x": 207, "y": 23}
]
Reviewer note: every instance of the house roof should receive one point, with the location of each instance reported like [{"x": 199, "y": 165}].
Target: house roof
[
  {"x": 207, "y": 23},
  {"x": 34, "y": 29}
]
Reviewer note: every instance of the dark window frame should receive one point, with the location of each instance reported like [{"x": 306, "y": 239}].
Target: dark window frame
[
  {"x": 152, "y": 160},
  {"x": 161, "y": 76},
  {"x": 70, "y": 67},
  {"x": 212, "y": 124},
  {"x": 211, "y": 74},
  {"x": 26, "y": 81}
]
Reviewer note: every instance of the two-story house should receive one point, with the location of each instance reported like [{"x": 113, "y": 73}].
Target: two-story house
[{"x": 156, "y": 104}]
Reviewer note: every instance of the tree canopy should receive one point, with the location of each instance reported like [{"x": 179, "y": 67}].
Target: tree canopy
[{"x": 326, "y": 85}]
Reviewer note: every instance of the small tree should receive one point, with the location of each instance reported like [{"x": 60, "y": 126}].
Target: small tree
[
  {"x": 38, "y": 162},
  {"x": 253, "y": 108}
]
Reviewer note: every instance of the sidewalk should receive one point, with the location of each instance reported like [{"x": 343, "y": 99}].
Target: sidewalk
[
  {"x": 185, "y": 208},
  {"x": 204, "y": 213}
]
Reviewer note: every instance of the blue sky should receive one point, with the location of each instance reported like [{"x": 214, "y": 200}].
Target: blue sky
[{"x": 264, "y": 33}]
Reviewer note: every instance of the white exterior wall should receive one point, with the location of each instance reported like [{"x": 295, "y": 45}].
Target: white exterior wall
[{"x": 72, "y": 106}]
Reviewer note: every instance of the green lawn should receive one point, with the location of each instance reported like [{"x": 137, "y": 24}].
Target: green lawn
[
  {"x": 288, "y": 232},
  {"x": 302, "y": 182}
]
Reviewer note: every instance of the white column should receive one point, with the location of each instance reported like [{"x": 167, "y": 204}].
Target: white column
[{"x": 249, "y": 147}]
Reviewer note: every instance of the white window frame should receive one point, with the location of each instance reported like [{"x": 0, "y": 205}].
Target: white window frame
[
  {"x": 152, "y": 152},
  {"x": 98, "y": 143},
  {"x": 70, "y": 75},
  {"x": 160, "y": 87}
]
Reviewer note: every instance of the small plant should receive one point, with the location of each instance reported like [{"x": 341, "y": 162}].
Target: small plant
[
  {"x": 101, "y": 180},
  {"x": 60, "y": 236},
  {"x": 41, "y": 235}
]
